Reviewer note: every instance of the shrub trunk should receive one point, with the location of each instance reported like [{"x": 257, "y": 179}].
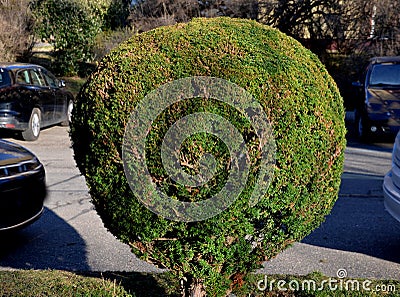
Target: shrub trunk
[{"x": 192, "y": 287}]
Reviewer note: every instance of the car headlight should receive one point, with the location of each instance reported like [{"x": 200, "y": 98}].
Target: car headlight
[{"x": 19, "y": 168}]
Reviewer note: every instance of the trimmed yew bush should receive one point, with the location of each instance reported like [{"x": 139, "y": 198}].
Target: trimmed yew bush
[{"x": 303, "y": 106}]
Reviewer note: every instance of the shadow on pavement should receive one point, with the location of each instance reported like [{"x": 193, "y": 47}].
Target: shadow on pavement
[
  {"x": 10, "y": 134},
  {"x": 359, "y": 222},
  {"x": 142, "y": 284},
  {"x": 24, "y": 249},
  {"x": 382, "y": 146},
  {"x": 360, "y": 225}
]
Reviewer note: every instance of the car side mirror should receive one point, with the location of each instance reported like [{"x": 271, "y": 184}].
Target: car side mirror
[
  {"x": 61, "y": 83},
  {"x": 357, "y": 84}
]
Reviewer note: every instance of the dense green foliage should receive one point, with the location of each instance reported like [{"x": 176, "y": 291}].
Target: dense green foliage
[
  {"x": 302, "y": 103},
  {"x": 72, "y": 26}
]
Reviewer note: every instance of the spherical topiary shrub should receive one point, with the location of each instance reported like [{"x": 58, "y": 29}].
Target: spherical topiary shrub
[{"x": 298, "y": 97}]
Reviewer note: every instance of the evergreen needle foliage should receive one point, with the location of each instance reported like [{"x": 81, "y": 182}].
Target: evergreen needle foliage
[{"x": 303, "y": 105}]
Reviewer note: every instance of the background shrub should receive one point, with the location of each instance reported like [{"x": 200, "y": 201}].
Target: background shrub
[
  {"x": 303, "y": 106},
  {"x": 71, "y": 26},
  {"x": 109, "y": 39}
]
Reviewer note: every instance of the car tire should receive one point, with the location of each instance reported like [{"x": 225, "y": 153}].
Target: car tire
[
  {"x": 361, "y": 127},
  {"x": 33, "y": 131},
  {"x": 70, "y": 106}
]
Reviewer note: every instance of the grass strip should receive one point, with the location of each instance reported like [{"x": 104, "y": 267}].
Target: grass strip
[{"x": 37, "y": 283}]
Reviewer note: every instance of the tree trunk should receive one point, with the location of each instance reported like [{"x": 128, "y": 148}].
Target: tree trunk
[{"x": 192, "y": 287}]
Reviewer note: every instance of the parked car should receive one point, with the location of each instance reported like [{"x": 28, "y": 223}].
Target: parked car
[
  {"x": 391, "y": 183},
  {"x": 22, "y": 186},
  {"x": 32, "y": 98},
  {"x": 378, "y": 106}
]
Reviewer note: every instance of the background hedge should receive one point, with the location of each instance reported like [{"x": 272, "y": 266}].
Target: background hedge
[{"x": 303, "y": 106}]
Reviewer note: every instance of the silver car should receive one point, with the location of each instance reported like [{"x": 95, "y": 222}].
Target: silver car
[{"x": 391, "y": 184}]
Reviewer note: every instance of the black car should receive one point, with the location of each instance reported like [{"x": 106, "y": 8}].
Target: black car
[
  {"x": 32, "y": 98},
  {"x": 22, "y": 186},
  {"x": 378, "y": 108}
]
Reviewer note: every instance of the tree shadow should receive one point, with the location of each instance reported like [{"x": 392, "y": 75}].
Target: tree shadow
[
  {"x": 10, "y": 134},
  {"x": 142, "y": 284},
  {"x": 383, "y": 145},
  {"x": 29, "y": 248},
  {"x": 359, "y": 224}
]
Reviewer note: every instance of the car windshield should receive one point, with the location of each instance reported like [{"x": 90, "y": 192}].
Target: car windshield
[{"x": 385, "y": 74}]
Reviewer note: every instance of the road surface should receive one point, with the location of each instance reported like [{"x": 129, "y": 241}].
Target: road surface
[{"x": 359, "y": 236}]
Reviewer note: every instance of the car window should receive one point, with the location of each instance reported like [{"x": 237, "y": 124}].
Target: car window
[
  {"x": 385, "y": 74},
  {"x": 23, "y": 78},
  {"x": 52, "y": 81},
  {"x": 4, "y": 78},
  {"x": 37, "y": 78}
]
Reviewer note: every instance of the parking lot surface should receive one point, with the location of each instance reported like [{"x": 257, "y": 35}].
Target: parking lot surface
[{"x": 359, "y": 236}]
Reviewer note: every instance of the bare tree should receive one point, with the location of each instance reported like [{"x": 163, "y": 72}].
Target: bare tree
[
  {"x": 360, "y": 25},
  {"x": 298, "y": 17},
  {"x": 149, "y": 14},
  {"x": 385, "y": 28},
  {"x": 16, "y": 24},
  {"x": 369, "y": 27},
  {"x": 315, "y": 21}
]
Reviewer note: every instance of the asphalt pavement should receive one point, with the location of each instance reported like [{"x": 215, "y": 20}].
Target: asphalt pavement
[
  {"x": 70, "y": 235},
  {"x": 359, "y": 236}
]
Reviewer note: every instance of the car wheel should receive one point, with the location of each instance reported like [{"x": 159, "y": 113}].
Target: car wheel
[
  {"x": 69, "y": 114},
  {"x": 361, "y": 127},
  {"x": 33, "y": 131}
]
